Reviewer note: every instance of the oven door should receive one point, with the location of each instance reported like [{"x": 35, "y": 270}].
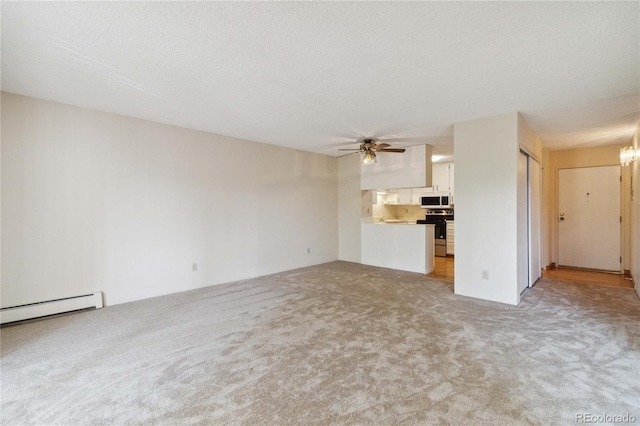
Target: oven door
[
  {"x": 440, "y": 239},
  {"x": 441, "y": 230}
]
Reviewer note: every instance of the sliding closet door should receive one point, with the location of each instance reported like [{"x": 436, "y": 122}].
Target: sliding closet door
[
  {"x": 523, "y": 223},
  {"x": 529, "y": 221},
  {"x": 535, "y": 209}
]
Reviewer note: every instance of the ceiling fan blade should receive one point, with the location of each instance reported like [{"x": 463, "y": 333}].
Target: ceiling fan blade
[
  {"x": 382, "y": 145},
  {"x": 349, "y": 149},
  {"x": 391, "y": 150}
]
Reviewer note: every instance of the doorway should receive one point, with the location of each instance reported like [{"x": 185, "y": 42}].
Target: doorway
[{"x": 589, "y": 221}]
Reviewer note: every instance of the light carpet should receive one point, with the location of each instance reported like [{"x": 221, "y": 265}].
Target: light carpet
[{"x": 339, "y": 343}]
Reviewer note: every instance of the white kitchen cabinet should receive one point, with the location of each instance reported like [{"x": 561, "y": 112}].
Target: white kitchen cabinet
[
  {"x": 416, "y": 194},
  {"x": 450, "y": 237},
  {"x": 441, "y": 181},
  {"x": 368, "y": 197},
  {"x": 408, "y": 170},
  {"x": 367, "y": 200},
  {"x": 451, "y": 180},
  {"x": 423, "y": 192},
  {"x": 390, "y": 197},
  {"x": 442, "y": 178},
  {"x": 404, "y": 196}
]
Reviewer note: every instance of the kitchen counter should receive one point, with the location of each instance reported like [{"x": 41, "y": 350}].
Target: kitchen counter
[
  {"x": 395, "y": 222},
  {"x": 406, "y": 248}
]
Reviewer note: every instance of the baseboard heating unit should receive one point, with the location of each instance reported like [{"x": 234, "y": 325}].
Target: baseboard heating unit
[{"x": 50, "y": 307}]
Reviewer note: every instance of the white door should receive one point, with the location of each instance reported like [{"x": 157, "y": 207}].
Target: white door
[{"x": 589, "y": 218}]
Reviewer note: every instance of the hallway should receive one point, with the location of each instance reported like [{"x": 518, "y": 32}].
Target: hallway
[
  {"x": 588, "y": 277},
  {"x": 444, "y": 269}
]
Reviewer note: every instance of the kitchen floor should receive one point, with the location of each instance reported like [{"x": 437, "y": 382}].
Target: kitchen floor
[{"x": 444, "y": 270}]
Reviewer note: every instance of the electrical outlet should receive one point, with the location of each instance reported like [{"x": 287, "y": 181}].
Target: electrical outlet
[
  {"x": 485, "y": 274},
  {"x": 194, "y": 267},
  {"x": 308, "y": 250}
]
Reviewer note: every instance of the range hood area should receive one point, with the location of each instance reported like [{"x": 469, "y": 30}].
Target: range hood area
[{"x": 412, "y": 169}]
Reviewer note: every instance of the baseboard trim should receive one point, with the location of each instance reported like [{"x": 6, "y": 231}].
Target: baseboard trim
[{"x": 50, "y": 307}]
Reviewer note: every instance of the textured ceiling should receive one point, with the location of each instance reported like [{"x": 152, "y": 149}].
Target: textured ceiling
[{"x": 316, "y": 75}]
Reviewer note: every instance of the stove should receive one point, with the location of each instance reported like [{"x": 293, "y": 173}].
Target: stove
[{"x": 439, "y": 218}]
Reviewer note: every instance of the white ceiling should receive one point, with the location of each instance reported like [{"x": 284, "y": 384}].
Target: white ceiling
[{"x": 316, "y": 75}]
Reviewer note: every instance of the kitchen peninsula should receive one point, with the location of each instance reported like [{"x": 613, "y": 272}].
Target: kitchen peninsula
[{"x": 398, "y": 245}]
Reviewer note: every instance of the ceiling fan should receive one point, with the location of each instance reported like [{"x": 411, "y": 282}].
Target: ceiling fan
[{"x": 369, "y": 147}]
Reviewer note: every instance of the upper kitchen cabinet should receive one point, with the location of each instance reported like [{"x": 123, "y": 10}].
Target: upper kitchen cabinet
[
  {"x": 367, "y": 200},
  {"x": 407, "y": 170},
  {"x": 442, "y": 178},
  {"x": 416, "y": 196},
  {"x": 402, "y": 196}
]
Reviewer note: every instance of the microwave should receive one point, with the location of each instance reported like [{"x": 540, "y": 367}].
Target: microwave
[{"x": 443, "y": 201}]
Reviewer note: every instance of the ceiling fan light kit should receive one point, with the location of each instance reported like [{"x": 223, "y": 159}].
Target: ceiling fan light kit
[
  {"x": 369, "y": 147},
  {"x": 369, "y": 157}
]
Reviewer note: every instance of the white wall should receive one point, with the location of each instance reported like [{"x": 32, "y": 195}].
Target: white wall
[
  {"x": 486, "y": 153},
  {"x": 349, "y": 207},
  {"x": 528, "y": 140},
  {"x": 95, "y": 201}
]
